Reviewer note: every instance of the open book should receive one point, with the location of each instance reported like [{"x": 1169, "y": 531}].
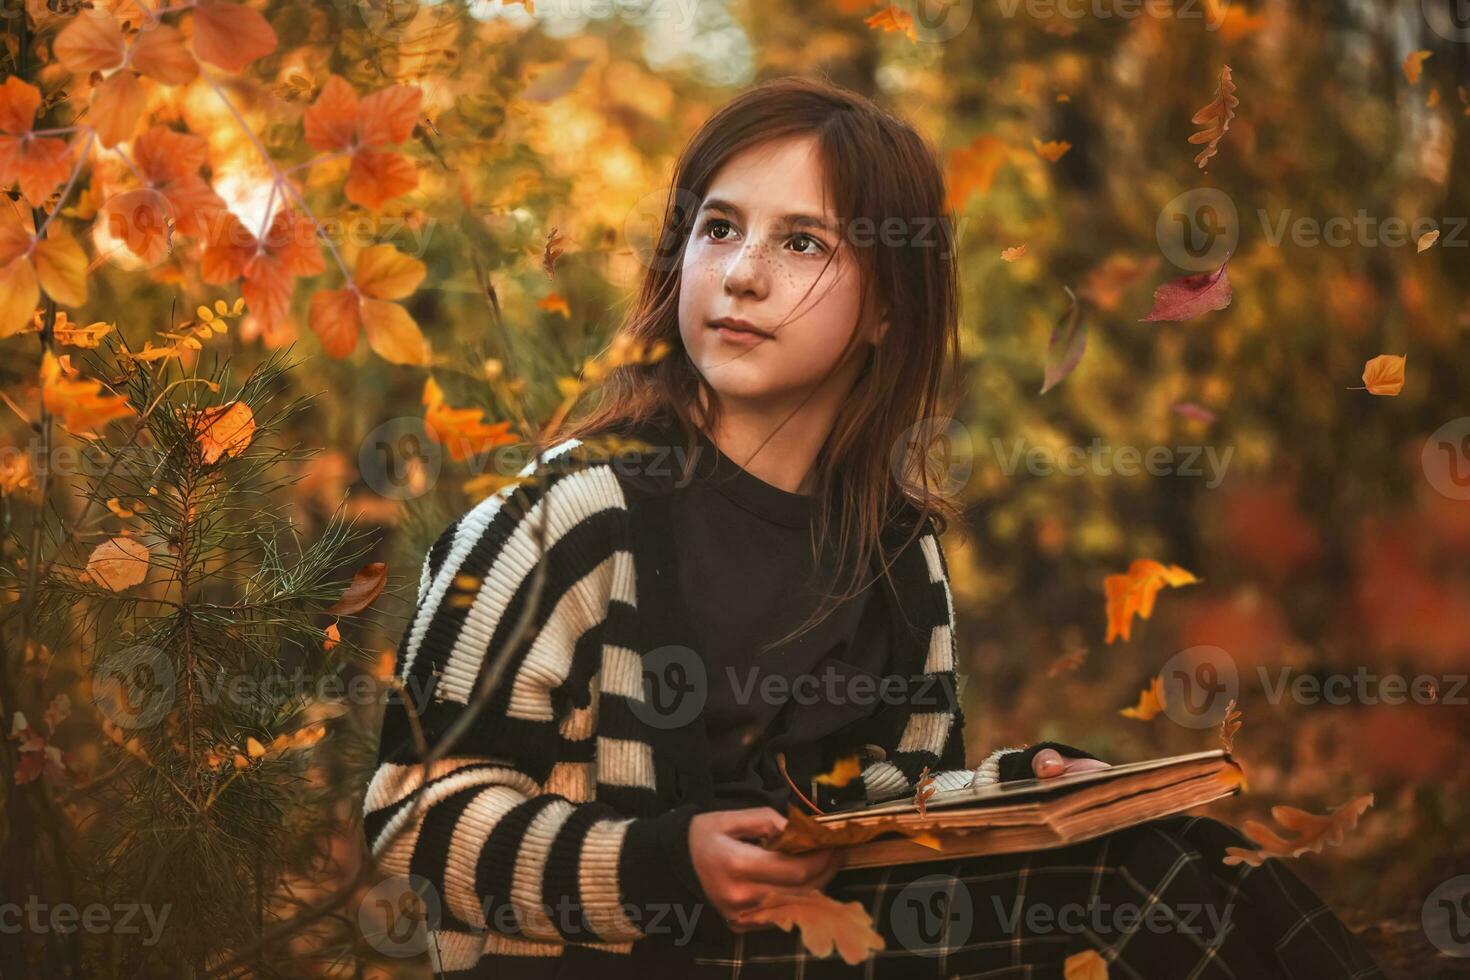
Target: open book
[{"x": 1023, "y": 815}]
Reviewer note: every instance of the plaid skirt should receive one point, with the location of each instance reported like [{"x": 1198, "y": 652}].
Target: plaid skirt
[{"x": 1153, "y": 901}]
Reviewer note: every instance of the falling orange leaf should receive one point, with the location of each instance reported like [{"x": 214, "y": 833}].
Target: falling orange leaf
[
  {"x": 1414, "y": 65},
  {"x": 1134, "y": 592},
  {"x": 37, "y": 163},
  {"x": 227, "y": 431},
  {"x": 971, "y": 169},
  {"x": 555, "y": 303},
  {"x": 118, "y": 563},
  {"x": 1067, "y": 663},
  {"x": 893, "y": 18},
  {"x": 1383, "y": 375},
  {"x": 1012, "y": 254},
  {"x": 923, "y": 790},
  {"x": 1052, "y": 150},
  {"x": 462, "y": 431},
  {"x": 1150, "y": 702},
  {"x": 825, "y": 923},
  {"x": 334, "y": 636},
  {"x": 1313, "y": 832},
  {"x": 1215, "y": 117},
  {"x": 338, "y": 121},
  {"x": 1428, "y": 239}
]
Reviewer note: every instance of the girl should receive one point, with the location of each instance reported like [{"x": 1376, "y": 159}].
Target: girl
[{"x": 652, "y": 652}]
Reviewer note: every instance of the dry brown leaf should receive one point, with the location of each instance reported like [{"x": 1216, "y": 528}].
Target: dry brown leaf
[
  {"x": 1313, "y": 832},
  {"x": 552, "y": 251},
  {"x": 1215, "y": 118},
  {"x": 1427, "y": 240},
  {"x": 825, "y": 923},
  {"x": 1067, "y": 663},
  {"x": 1229, "y": 725},
  {"x": 118, "y": 563},
  {"x": 367, "y": 583},
  {"x": 923, "y": 789}
]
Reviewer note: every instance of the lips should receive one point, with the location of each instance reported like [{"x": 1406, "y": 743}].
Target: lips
[{"x": 736, "y": 325}]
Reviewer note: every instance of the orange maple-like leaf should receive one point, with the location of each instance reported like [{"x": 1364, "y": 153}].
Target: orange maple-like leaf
[
  {"x": 338, "y": 121},
  {"x": 1313, "y": 832},
  {"x": 462, "y": 431},
  {"x": 1052, "y": 150},
  {"x": 224, "y": 430},
  {"x": 1150, "y": 702},
  {"x": 1013, "y": 253},
  {"x": 892, "y": 18},
  {"x": 1215, "y": 118},
  {"x": 1231, "y": 20},
  {"x": 825, "y": 923},
  {"x": 1414, "y": 65},
  {"x": 174, "y": 197},
  {"x": 381, "y": 274},
  {"x": 28, "y": 265},
  {"x": 269, "y": 266},
  {"x": 972, "y": 169},
  {"x": 230, "y": 35},
  {"x": 1086, "y": 965},
  {"x": 79, "y": 403},
  {"x": 94, "y": 41},
  {"x": 1384, "y": 375},
  {"x": 36, "y": 163},
  {"x": 555, "y": 303},
  {"x": 1133, "y": 593}
]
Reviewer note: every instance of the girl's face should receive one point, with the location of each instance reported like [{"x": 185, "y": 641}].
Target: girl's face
[{"x": 756, "y": 253}]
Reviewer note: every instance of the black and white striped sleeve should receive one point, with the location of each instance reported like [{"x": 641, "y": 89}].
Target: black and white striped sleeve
[{"x": 506, "y": 833}]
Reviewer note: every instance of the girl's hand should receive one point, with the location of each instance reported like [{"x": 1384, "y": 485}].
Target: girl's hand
[
  {"x": 737, "y": 874},
  {"x": 1049, "y": 762}
]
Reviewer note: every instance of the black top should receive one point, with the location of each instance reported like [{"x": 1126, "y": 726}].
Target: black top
[{"x": 746, "y": 576}]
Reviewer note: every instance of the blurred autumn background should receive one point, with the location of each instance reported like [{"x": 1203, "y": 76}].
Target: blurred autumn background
[{"x": 308, "y": 274}]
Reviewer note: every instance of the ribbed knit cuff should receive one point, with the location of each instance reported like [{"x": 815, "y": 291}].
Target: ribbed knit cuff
[{"x": 659, "y": 879}]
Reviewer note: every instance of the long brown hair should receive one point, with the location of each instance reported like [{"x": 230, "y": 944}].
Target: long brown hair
[{"x": 876, "y": 458}]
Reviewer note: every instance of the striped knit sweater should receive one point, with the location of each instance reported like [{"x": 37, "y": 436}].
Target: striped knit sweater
[{"x": 562, "y": 816}]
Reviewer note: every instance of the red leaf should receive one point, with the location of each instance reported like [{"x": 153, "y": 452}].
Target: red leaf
[{"x": 1191, "y": 296}]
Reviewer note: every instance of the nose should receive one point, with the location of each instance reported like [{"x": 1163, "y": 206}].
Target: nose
[{"x": 746, "y": 275}]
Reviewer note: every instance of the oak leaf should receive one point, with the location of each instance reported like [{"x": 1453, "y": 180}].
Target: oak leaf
[
  {"x": 338, "y": 121},
  {"x": 825, "y": 923},
  {"x": 1150, "y": 702},
  {"x": 37, "y": 163},
  {"x": 1313, "y": 832},
  {"x": 1215, "y": 118},
  {"x": 1133, "y": 593}
]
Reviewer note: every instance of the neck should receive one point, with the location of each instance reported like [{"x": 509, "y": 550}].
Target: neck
[{"x": 781, "y": 453}]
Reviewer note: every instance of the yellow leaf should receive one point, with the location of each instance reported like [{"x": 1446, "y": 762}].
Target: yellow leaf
[
  {"x": 555, "y": 303},
  {"x": 392, "y": 333},
  {"x": 19, "y": 294},
  {"x": 1052, "y": 150},
  {"x": 118, "y": 563},
  {"x": 227, "y": 431},
  {"x": 825, "y": 923},
  {"x": 61, "y": 267},
  {"x": 383, "y": 272},
  {"x": 1012, "y": 254},
  {"x": 843, "y": 772}
]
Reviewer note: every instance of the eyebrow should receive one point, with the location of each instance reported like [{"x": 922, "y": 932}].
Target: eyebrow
[{"x": 789, "y": 220}]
